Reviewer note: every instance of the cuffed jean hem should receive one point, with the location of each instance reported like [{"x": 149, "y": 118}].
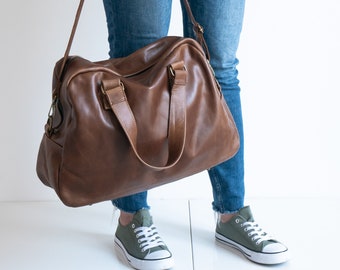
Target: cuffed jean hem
[
  {"x": 226, "y": 212},
  {"x": 133, "y": 203},
  {"x": 116, "y": 205}
]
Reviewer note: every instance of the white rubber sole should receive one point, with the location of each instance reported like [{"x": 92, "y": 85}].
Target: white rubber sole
[
  {"x": 258, "y": 257},
  {"x": 161, "y": 264}
]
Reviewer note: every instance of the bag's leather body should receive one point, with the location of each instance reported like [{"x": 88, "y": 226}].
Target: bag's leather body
[
  {"x": 88, "y": 158},
  {"x": 121, "y": 126}
]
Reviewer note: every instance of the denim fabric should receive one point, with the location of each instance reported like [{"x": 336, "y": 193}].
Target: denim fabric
[{"x": 133, "y": 24}]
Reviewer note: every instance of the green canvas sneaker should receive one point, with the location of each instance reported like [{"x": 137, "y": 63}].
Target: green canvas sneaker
[
  {"x": 242, "y": 233},
  {"x": 141, "y": 244}
]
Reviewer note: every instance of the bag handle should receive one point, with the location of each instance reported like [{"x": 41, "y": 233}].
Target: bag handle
[
  {"x": 198, "y": 29},
  {"x": 115, "y": 94}
]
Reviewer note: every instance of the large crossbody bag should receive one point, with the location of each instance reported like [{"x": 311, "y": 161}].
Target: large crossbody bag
[{"x": 125, "y": 125}]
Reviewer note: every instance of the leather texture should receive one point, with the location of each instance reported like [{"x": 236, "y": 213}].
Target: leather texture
[{"x": 125, "y": 125}]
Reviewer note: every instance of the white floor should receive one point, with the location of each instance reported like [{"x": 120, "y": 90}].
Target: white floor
[{"x": 50, "y": 236}]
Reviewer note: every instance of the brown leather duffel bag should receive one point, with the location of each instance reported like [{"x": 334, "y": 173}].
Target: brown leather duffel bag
[{"x": 121, "y": 126}]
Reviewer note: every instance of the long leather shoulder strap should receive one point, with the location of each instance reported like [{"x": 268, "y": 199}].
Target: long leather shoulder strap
[
  {"x": 70, "y": 41},
  {"x": 198, "y": 29},
  {"x": 196, "y": 26}
]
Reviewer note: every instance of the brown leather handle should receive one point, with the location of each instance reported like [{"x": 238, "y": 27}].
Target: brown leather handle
[{"x": 115, "y": 94}]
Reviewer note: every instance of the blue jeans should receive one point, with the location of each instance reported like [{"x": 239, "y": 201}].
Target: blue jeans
[{"x": 132, "y": 24}]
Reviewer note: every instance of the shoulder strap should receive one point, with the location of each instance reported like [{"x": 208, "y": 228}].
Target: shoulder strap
[
  {"x": 198, "y": 29},
  {"x": 69, "y": 44},
  {"x": 196, "y": 26}
]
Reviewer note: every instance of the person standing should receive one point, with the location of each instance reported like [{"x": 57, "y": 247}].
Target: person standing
[{"x": 133, "y": 24}]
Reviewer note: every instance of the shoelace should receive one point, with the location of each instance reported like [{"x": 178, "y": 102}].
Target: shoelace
[
  {"x": 148, "y": 238},
  {"x": 256, "y": 232}
]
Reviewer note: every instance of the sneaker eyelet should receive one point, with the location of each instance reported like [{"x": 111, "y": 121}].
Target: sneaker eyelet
[
  {"x": 133, "y": 226},
  {"x": 237, "y": 220}
]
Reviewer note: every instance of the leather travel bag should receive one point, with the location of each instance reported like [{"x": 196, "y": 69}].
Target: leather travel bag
[{"x": 125, "y": 125}]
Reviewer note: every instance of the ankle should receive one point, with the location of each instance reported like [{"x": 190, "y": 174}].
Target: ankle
[
  {"x": 224, "y": 218},
  {"x": 125, "y": 218}
]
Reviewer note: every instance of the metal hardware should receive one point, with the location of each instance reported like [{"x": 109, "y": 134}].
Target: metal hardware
[
  {"x": 51, "y": 111},
  {"x": 200, "y": 28},
  {"x": 172, "y": 71}
]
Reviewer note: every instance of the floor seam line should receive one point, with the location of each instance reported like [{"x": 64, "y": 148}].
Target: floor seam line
[{"x": 191, "y": 238}]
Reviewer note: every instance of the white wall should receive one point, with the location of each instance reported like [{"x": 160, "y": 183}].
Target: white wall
[{"x": 289, "y": 73}]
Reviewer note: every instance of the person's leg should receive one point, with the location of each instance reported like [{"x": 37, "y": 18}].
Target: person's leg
[
  {"x": 222, "y": 22},
  {"x": 132, "y": 25}
]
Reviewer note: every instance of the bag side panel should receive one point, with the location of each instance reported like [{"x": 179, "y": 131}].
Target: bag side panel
[{"x": 48, "y": 162}]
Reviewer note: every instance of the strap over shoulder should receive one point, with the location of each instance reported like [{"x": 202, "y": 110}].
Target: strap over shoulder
[{"x": 198, "y": 29}]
